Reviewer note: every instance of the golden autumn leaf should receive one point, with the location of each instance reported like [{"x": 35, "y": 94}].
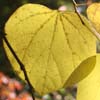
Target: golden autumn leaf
[
  {"x": 89, "y": 88},
  {"x": 50, "y": 43},
  {"x": 81, "y": 71},
  {"x": 93, "y": 13}
]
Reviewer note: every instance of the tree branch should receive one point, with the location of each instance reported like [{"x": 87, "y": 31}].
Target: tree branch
[
  {"x": 22, "y": 67},
  {"x": 75, "y": 7}
]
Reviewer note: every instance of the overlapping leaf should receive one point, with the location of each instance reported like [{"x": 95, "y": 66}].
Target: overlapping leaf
[
  {"x": 89, "y": 88},
  {"x": 51, "y": 44},
  {"x": 93, "y": 13},
  {"x": 81, "y": 71}
]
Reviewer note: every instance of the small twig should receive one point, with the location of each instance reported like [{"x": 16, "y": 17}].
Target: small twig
[
  {"x": 20, "y": 63},
  {"x": 83, "y": 4},
  {"x": 92, "y": 29},
  {"x": 75, "y": 7}
]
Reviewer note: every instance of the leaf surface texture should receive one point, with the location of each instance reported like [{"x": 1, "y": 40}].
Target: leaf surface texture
[{"x": 51, "y": 44}]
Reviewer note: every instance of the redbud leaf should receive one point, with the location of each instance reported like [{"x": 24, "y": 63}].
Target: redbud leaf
[
  {"x": 88, "y": 89},
  {"x": 51, "y": 44},
  {"x": 93, "y": 13}
]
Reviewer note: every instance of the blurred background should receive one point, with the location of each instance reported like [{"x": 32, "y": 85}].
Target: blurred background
[{"x": 7, "y": 7}]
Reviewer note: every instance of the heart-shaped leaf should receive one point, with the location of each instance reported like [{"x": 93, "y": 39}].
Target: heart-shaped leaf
[{"x": 50, "y": 43}]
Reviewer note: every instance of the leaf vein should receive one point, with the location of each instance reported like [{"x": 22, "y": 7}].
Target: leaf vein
[
  {"x": 84, "y": 40},
  {"x": 35, "y": 33},
  {"x": 52, "y": 39},
  {"x": 32, "y": 15},
  {"x": 68, "y": 43}
]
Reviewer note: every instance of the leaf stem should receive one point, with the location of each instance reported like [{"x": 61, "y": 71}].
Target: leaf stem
[
  {"x": 22, "y": 67},
  {"x": 75, "y": 7}
]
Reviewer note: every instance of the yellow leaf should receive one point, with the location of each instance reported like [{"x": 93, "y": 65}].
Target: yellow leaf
[
  {"x": 89, "y": 88},
  {"x": 51, "y": 44},
  {"x": 81, "y": 71},
  {"x": 93, "y": 13}
]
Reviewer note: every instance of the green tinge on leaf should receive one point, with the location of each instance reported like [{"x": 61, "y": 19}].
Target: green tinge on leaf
[{"x": 51, "y": 45}]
